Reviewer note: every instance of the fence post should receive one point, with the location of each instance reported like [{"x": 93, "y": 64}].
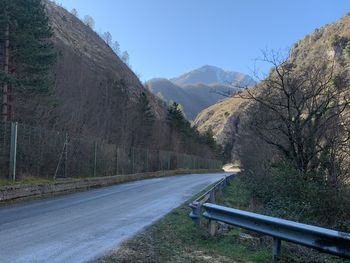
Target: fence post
[
  {"x": 133, "y": 157},
  {"x": 169, "y": 156},
  {"x": 117, "y": 157},
  {"x": 66, "y": 156},
  {"x": 95, "y": 158},
  {"x": 13, "y": 150}
]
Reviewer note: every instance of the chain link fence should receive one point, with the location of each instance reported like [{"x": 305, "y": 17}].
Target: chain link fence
[{"x": 28, "y": 151}]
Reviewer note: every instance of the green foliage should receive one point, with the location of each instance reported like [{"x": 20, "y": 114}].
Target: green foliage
[
  {"x": 285, "y": 192},
  {"x": 31, "y": 52},
  {"x": 177, "y": 121},
  {"x": 145, "y": 110}
]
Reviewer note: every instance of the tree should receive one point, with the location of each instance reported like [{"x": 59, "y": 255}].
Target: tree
[
  {"x": 28, "y": 53},
  {"x": 116, "y": 48},
  {"x": 89, "y": 21},
  {"x": 125, "y": 57},
  {"x": 74, "y": 12},
  {"x": 107, "y": 37},
  {"x": 302, "y": 112},
  {"x": 143, "y": 121}
]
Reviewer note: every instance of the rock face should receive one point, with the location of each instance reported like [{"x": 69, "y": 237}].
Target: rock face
[
  {"x": 199, "y": 89},
  {"x": 226, "y": 117}
]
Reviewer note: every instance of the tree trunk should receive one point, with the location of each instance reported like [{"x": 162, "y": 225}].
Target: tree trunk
[{"x": 5, "y": 90}]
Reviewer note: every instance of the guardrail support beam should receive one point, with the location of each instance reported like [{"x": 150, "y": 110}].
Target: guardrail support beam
[
  {"x": 196, "y": 212},
  {"x": 276, "y": 249}
]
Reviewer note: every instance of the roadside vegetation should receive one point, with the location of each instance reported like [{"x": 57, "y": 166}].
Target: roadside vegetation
[{"x": 175, "y": 238}]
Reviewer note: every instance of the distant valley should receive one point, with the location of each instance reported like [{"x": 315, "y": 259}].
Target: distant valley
[{"x": 199, "y": 88}]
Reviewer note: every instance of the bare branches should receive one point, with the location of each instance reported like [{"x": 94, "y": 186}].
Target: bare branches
[{"x": 299, "y": 110}]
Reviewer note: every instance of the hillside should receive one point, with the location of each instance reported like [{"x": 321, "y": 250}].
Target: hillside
[
  {"x": 331, "y": 42},
  {"x": 95, "y": 94},
  {"x": 92, "y": 85},
  {"x": 198, "y": 89}
]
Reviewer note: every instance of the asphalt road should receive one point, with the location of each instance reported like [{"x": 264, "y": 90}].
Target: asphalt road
[{"x": 84, "y": 226}]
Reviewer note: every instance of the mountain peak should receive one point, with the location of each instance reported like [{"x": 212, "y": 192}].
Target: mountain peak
[{"x": 209, "y": 75}]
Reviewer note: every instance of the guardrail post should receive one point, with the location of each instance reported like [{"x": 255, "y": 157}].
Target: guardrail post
[
  {"x": 196, "y": 212},
  {"x": 212, "y": 196},
  {"x": 276, "y": 249},
  {"x": 212, "y": 223}
]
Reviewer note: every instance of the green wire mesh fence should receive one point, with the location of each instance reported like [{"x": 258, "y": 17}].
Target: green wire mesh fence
[{"x": 38, "y": 152}]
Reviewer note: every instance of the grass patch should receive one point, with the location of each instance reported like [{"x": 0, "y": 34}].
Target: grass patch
[{"x": 26, "y": 180}]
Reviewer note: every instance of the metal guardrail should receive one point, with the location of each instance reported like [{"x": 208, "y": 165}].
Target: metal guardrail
[
  {"x": 209, "y": 195},
  {"x": 322, "y": 239}
]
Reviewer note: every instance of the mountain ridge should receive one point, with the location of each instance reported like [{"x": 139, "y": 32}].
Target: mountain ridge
[{"x": 199, "y": 88}]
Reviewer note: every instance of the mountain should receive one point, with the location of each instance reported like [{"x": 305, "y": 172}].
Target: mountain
[
  {"x": 168, "y": 92},
  {"x": 96, "y": 96},
  {"x": 331, "y": 42},
  {"x": 213, "y": 75},
  {"x": 199, "y": 88}
]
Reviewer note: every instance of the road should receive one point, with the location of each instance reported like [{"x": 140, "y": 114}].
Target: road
[{"x": 83, "y": 226}]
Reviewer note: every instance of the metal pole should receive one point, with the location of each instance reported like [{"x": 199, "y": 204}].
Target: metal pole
[
  {"x": 117, "y": 155},
  {"x": 13, "y": 150},
  {"x": 95, "y": 158},
  {"x": 169, "y": 156},
  {"x": 133, "y": 157},
  {"x": 66, "y": 156},
  {"x": 147, "y": 160}
]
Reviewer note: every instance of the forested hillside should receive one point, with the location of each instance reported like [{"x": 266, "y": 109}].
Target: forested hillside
[
  {"x": 85, "y": 88},
  {"x": 291, "y": 131}
]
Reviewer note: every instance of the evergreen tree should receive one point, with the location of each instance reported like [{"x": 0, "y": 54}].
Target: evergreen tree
[
  {"x": 27, "y": 53},
  {"x": 145, "y": 110},
  {"x": 142, "y": 122}
]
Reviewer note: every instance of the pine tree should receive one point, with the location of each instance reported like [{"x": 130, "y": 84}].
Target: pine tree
[
  {"x": 27, "y": 52},
  {"x": 145, "y": 110},
  {"x": 142, "y": 122}
]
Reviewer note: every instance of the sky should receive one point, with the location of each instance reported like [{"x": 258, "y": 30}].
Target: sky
[{"x": 166, "y": 38}]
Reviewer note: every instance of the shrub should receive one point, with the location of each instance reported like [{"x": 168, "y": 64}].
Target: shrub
[{"x": 285, "y": 192}]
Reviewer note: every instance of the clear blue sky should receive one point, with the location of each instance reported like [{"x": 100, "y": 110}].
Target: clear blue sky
[{"x": 166, "y": 38}]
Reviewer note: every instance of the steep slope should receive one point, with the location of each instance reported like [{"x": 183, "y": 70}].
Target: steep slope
[
  {"x": 95, "y": 93},
  {"x": 331, "y": 41},
  {"x": 212, "y": 75}
]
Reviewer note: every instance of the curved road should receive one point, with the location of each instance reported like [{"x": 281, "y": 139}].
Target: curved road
[{"x": 83, "y": 226}]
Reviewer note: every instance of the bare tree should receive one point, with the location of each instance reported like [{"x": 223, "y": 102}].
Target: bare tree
[
  {"x": 74, "y": 12},
  {"x": 302, "y": 111},
  {"x": 116, "y": 48},
  {"x": 107, "y": 37},
  {"x": 125, "y": 57},
  {"x": 89, "y": 21}
]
